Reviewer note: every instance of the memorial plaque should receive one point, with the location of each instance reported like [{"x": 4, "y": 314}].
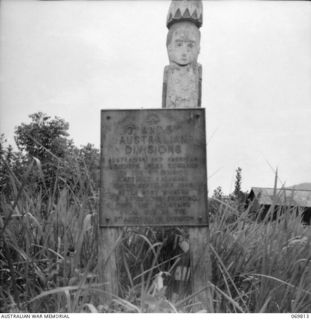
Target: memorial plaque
[{"x": 153, "y": 168}]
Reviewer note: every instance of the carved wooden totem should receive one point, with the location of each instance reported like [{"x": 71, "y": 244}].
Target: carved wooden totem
[
  {"x": 182, "y": 89},
  {"x": 183, "y": 76}
]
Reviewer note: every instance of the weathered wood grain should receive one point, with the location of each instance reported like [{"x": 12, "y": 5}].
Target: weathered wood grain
[
  {"x": 200, "y": 264},
  {"x": 108, "y": 241}
]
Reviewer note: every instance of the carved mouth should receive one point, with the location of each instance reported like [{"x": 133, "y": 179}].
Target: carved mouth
[{"x": 182, "y": 63}]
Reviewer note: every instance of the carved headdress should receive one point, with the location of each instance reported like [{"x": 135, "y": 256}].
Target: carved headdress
[{"x": 185, "y": 10}]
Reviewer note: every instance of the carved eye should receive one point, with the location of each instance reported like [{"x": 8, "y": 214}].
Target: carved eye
[{"x": 190, "y": 45}]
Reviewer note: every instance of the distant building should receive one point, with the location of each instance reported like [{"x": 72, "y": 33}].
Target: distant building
[{"x": 261, "y": 200}]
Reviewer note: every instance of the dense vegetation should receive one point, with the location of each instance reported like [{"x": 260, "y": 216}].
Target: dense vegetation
[{"x": 48, "y": 241}]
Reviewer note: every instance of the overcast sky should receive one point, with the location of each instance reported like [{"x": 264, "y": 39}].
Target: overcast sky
[{"x": 73, "y": 58}]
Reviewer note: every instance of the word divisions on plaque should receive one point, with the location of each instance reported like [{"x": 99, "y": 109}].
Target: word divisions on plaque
[{"x": 153, "y": 168}]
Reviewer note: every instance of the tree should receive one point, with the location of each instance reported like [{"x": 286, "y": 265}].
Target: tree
[
  {"x": 2, "y": 144},
  {"x": 238, "y": 195},
  {"x": 238, "y": 182},
  {"x": 215, "y": 202},
  {"x": 217, "y": 193},
  {"x": 90, "y": 157},
  {"x": 7, "y": 158},
  {"x": 45, "y": 139}
]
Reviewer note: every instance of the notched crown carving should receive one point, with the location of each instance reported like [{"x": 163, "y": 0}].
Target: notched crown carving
[{"x": 185, "y": 10}]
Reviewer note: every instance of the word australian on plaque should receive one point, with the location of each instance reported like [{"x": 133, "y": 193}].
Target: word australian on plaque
[{"x": 153, "y": 168}]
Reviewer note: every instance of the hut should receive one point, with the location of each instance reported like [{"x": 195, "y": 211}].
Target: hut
[{"x": 261, "y": 200}]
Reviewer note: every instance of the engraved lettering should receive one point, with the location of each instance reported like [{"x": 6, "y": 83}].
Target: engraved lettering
[{"x": 153, "y": 173}]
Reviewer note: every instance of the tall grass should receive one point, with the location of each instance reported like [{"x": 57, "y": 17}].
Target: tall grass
[
  {"x": 49, "y": 256},
  {"x": 263, "y": 265},
  {"x": 47, "y": 241}
]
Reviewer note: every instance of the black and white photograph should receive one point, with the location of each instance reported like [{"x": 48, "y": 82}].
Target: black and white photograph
[{"x": 155, "y": 157}]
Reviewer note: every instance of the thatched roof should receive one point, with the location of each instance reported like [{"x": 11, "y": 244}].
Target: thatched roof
[{"x": 284, "y": 196}]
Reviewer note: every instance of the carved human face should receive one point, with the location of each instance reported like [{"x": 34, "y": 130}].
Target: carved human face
[{"x": 183, "y": 43}]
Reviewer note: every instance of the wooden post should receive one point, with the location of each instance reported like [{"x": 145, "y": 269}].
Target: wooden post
[
  {"x": 200, "y": 265},
  {"x": 108, "y": 241},
  {"x": 182, "y": 89}
]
